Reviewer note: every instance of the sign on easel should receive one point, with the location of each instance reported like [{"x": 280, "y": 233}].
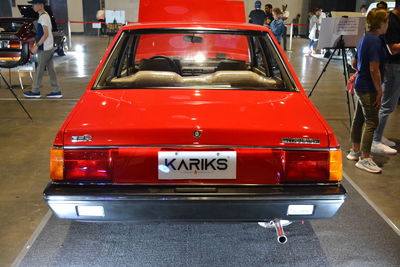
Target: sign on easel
[
  {"x": 115, "y": 16},
  {"x": 347, "y": 26},
  {"x": 352, "y": 29}
]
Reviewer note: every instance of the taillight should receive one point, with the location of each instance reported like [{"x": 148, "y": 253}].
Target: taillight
[
  {"x": 10, "y": 44},
  {"x": 312, "y": 166},
  {"x": 57, "y": 164},
  {"x": 85, "y": 165},
  {"x": 336, "y": 165},
  {"x": 15, "y": 44}
]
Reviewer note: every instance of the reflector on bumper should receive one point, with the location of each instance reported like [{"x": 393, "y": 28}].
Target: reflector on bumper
[
  {"x": 92, "y": 211},
  {"x": 300, "y": 210}
]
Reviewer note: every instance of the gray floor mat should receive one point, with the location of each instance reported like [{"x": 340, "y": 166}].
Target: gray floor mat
[{"x": 356, "y": 237}]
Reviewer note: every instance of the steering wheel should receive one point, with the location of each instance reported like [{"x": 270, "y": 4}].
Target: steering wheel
[{"x": 171, "y": 62}]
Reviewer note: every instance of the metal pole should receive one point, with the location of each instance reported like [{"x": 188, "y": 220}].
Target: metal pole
[
  {"x": 291, "y": 37},
  {"x": 69, "y": 36}
]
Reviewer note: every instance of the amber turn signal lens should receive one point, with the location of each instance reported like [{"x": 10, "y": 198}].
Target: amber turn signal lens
[
  {"x": 57, "y": 164},
  {"x": 335, "y": 165}
]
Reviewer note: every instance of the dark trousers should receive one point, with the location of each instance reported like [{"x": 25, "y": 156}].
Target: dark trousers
[
  {"x": 284, "y": 37},
  {"x": 296, "y": 31},
  {"x": 366, "y": 120}
]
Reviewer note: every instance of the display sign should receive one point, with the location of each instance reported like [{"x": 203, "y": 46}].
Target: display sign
[
  {"x": 178, "y": 165},
  {"x": 115, "y": 16},
  {"x": 347, "y": 26},
  {"x": 96, "y": 25},
  {"x": 332, "y": 29}
]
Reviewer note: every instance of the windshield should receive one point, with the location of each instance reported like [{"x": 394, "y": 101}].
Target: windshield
[
  {"x": 10, "y": 26},
  {"x": 194, "y": 59}
]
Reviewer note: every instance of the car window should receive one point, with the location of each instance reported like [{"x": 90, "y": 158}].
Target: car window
[
  {"x": 10, "y": 26},
  {"x": 191, "y": 59}
]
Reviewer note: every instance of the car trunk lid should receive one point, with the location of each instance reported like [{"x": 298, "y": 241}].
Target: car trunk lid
[{"x": 174, "y": 118}]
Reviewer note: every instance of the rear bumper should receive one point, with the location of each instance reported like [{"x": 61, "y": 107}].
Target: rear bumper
[
  {"x": 144, "y": 203},
  {"x": 10, "y": 53}
]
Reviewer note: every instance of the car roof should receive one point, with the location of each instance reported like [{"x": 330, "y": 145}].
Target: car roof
[{"x": 193, "y": 25}]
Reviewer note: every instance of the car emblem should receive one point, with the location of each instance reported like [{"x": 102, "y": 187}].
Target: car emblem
[
  {"x": 303, "y": 141},
  {"x": 197, "y": 134},
  {"x": 83, "y": 138}
]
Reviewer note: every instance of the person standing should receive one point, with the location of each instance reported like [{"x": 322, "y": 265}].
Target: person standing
[
  {"x": 257, "y": 16},
  {"x": 276, "y": 25},
  {"x": 391, "y": 84},
  {"x": 370, "y": 63},
  {"x": 363, "y": 9},
  {"x": 101, "y": 18},
  {"x": 296, "y": 22},
  {"x": 315, "y": 24},
  {"x": 382, "y": 5},
  {"x": 44, "y": 48},
  {"x": 285, "y": 17},
  {"x": 268, "y": 13}
]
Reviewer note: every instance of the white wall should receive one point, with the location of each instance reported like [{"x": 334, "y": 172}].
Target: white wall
[
  {"x": 75, "y": 13},
  {"x": 131, "y": 8}
]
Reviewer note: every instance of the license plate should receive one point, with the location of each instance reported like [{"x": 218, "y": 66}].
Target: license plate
[{"x": 196, "y": 165}]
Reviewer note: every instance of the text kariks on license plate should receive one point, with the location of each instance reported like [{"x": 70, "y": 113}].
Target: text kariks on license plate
[{"x": 175, "y": 165}]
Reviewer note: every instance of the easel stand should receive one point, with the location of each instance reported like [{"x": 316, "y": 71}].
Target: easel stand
[
  {"x": 341, "y": 47},
  {"x": 15, "y": 96},
  {"x": 114, "y": 30}
]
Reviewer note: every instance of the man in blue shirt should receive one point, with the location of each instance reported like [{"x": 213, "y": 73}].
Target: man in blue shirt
[
  {"x": 44, "y": 48},
  {"x": 257, "y": 16}
]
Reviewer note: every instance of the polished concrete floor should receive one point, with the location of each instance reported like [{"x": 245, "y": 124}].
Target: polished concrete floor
[{"x": 24, "y": 145}]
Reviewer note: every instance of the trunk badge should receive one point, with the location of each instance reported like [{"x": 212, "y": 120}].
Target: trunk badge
[
  {"x": 197, "y": 134},
  {"x": 83, "y": 138},
  {"x": 304, "y": 141}
]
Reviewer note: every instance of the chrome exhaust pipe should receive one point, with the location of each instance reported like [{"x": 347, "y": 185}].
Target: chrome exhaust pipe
[{"x": 281, "y": 237}]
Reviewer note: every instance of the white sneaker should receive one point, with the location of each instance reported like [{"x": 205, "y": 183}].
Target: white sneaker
[
  {"x": 381, "y": 148},
  {"x": 368, "y": 165},
  {"x": 355, "y": 156},
  {"x": 388, "y": 142}
]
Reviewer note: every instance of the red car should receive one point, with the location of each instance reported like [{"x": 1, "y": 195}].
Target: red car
[{"x": 195, "y": 122}]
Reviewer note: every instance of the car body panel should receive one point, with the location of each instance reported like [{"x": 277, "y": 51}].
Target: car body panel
[{"x": 170, "y": 116}]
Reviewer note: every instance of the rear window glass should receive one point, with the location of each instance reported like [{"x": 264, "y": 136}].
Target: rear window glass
[
  {"x": 10, "y": 26},
  {"x": 194, "y": 59}
]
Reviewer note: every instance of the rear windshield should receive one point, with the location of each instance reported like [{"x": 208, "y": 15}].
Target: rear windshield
[
  {"x": 195, "y": 59},
  {"x": 10, "y": 26}
]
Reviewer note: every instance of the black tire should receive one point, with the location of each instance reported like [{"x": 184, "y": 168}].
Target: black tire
[{"x": 60, "y": 49}]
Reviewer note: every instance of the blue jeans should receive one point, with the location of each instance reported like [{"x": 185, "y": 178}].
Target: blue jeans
[
  {"x": 311, "y": 44},
  {"x": 390, "y": 98}
]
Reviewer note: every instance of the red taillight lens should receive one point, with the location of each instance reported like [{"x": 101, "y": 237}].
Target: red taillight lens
[
  {"x": 306, "y": 166},
  {"x": 15, "y": 44},
  {"x": 94, "y": 165}
]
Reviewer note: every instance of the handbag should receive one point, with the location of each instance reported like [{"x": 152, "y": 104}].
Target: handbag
[{"x": 350, "y": 83}]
